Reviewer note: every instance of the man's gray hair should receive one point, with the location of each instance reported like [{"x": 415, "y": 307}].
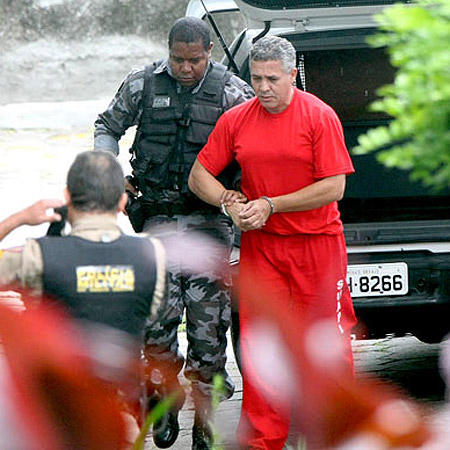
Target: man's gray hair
[
  {"x": 95, "y": 182},
  {"x": 274, "y": 48}
]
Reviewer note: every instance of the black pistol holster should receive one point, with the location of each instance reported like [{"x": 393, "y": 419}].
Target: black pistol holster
[
  {"x": 135, "y": 213},
  {"x": 134, "y": 208}
]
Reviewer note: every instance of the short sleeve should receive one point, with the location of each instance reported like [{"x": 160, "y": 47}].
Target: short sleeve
[
  {"x": 218, "y": 151},
  {"x": 331, "y": 156},
  {"x": 23, "y": 267}
]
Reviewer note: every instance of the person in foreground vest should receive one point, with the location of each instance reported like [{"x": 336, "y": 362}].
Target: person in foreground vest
[
  {"x": 95, "y": 273},
  {"x": 175, "y": 104}
]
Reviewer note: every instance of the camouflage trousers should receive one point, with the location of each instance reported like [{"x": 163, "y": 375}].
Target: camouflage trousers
[{"x": 198, "y": 248}]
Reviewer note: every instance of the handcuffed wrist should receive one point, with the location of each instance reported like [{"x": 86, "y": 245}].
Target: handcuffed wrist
[
  {"x": 270, "y": 202},
  {"x": 224, "y": 210}
]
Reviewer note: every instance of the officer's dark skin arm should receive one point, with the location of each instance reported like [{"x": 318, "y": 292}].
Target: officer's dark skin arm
[
  {"x": 35, "y": 214},
  {"x": 203, "y": 184},
  {"x": 128, "y": 186}
]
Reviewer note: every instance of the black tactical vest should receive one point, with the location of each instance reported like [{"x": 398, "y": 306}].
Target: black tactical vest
[
  {"x": 173, "y": 129},
  {"x": 111, "y": 283}
]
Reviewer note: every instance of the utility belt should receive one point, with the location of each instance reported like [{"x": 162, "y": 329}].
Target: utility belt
[{"x": 139, "y": 209}]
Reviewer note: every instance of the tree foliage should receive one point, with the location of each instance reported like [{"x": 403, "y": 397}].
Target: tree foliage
[{"x": 418, "y": 138}]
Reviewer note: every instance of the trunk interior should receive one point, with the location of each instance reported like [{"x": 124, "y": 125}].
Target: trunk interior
[{"x": 345, "y": 72}]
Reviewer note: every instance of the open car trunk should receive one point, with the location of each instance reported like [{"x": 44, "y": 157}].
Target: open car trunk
[
  {"x": 397, "y": 230},
  {"x": 343, "y": 71}
]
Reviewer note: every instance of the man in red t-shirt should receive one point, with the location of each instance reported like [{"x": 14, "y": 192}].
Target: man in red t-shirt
[{"x": 290, "y": 146}]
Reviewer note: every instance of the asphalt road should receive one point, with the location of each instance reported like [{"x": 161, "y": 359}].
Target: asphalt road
[{"x": 407, "y": 362}]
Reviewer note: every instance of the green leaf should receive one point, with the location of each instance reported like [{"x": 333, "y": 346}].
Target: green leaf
[{"x": 418, "y": 138}]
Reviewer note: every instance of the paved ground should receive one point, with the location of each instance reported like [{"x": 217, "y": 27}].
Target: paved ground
[
  {"x": 408, "y": 363},
  {"x": 227, "y": 415}
]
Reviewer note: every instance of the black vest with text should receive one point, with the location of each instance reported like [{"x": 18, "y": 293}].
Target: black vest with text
[
  {"x": 111, "y": 283},
  {"x": 173, "y": 129}
]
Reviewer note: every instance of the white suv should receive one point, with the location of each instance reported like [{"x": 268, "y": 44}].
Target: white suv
[{"x": 397, "y": 231}]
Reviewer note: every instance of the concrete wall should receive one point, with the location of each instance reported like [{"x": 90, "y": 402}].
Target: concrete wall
[{"x": 56, "y": 50}]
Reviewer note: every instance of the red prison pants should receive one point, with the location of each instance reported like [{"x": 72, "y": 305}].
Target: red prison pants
[{"x": 303, "y": 271}]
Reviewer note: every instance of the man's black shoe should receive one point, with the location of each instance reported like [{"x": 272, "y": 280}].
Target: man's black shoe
[
  {"x": 202, "y": 437},
  {"x": 165, "y": 430}
]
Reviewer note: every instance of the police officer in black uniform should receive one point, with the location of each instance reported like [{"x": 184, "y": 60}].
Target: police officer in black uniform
[{"x": 175, "y": 104}]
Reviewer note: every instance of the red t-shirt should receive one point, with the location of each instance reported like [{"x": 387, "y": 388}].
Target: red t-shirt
[{"x": 282, "y": 153}]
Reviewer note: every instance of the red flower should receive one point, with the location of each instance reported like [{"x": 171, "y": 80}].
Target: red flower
[{"x": 57, "y": 398}]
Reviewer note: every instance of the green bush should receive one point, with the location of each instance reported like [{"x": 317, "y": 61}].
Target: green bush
[{"x": 418, "y": 138}]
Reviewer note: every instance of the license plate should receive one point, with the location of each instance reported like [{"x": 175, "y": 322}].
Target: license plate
[{"x": 371, "y": 280}]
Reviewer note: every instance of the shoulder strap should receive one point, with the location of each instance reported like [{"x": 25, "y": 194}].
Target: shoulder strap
[
  {"x": 148, "y": 72},
  {"x": 214, "y": 85}
]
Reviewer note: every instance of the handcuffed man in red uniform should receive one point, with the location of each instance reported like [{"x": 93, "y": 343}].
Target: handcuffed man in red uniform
[{"x": 290, "y": 146}]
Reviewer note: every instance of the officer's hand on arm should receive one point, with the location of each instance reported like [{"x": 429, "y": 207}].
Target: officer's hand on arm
[
  {"x": 209, "y": 189},
  {"x": 230, "y": 196},
  {"x": 35, "y": 214}
]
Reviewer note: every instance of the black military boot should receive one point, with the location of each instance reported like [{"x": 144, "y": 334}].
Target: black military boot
[
  {"x": 166, "y": 429},
  {"x": 161, "y": 378},
  {"x": 202, "y": 434}
]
